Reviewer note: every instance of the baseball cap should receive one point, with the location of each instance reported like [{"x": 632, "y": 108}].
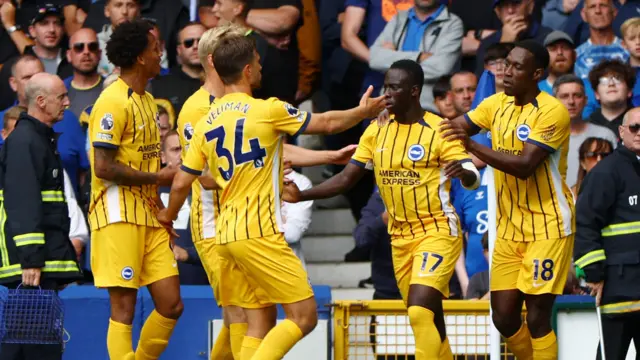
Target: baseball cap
[
  {"x": 497, "y": 2},
  {"x": 46, "y": 10},
  {"x": 206, "y": 3},
  {"x": 556, "y": 36}
]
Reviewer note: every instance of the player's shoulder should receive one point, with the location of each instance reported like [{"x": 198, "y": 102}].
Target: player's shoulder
[
  {"x": 194, "y": 108},
  {"x": 549, "y": 105},
  {"x": 117, "y": 91},
  {"x": 431, "y": 121}
]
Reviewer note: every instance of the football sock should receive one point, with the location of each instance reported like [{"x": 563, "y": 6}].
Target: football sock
[
  {"x": 222, "y": 347},
  {"x": 249, "y": 347},
  {"x": 546, "y": 347},
  {"x": 520, "y": 343},
  {"x": 154, "y": 336},
  {"x": 279, "y": 341},
  {"x": 427, "y": 337},
  {"x": 237, "y": 338},
  {"x": 119, "y": 341}
]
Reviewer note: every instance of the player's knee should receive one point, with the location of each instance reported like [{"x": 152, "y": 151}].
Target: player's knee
[
  {"x": 306, "y": 320},
  {"x": 506, "y": 325},
  {"x": 235, "y": 314},
  {"x": 172, "y": 310},
  {"x": 538, "y": 322}
]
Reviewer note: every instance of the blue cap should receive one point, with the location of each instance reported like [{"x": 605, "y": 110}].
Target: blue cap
[{"x": 497, "y": 2}]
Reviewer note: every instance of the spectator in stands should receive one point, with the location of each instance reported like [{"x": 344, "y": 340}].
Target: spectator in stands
[
  {"x": 117, "y": 12},
  {"x": 480, "y": 21},
  {"x": 569, "y": 89},
  {"x": 277, "y": 21},
  {"x": 562, "y": 57},
  {"x": 164, "y": 124},
  {"x": 578, "y": 29},
  {"x": 479, "y": 283},
  {"x": 495, "y": 60},
  {"x": 14, "y": 40},
  {"x": 631, "y": 42},
  {"x": 603, "y": 44},
  {"x": 172, "y": 90},
  {"x": 463, "y": 88},
  {"x": 86, "y": 84},
  {"x": 310, "y": 51},
  {"x": 443, "y": 98},
  {"x": 71, "y": 143},
  {"x": 297, "y": 217},
  {"x": 613, "y": 82},
  {"x": 206, "y": 15},
  {"x": 517, "y": 24},
  {"x": 428, "y": 33},
  {"x": 556, "y": 13},
  {"x": 591, "y": 152},
  {"x": 377, "y": 14},
  {"x": 189, "y": 264},
  {"x": 47, "y": 31}
]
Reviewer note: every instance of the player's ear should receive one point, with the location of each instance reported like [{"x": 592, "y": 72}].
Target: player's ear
[
  {"x": 415, "y": 90},
  {"x": 538, "y": 74}
]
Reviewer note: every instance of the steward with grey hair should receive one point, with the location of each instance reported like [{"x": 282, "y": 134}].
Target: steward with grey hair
[{"x": 35, "y": 237}]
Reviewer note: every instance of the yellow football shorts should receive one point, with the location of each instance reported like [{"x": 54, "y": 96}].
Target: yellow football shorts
[
  {"x": 131, "y": 256},
  {"x": 210, "y": 262},
  {"x": 272, "y": 272},
  {"x": 535, "y": 268},
  {"x": 428, "y": 261}
]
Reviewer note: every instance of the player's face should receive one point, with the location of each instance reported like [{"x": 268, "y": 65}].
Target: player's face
[
  {"x": 630, "y": 132},
  {"x": 151, "y": 56},
  {"x": 519, "y": 74},
  {"x": 172, "y": 149},
  {"x": 255, "y": 71},
  {"x": 561, "y": 57},
  {"x": 573, "y": 98},
  {"x": 396, "y": 86}
]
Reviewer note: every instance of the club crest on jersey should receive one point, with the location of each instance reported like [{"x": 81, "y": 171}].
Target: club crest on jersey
[
  {"x": 106, "y": 123},
  {"x": 127, "y": 273},
  {"x": 416, "y": 152},
  {"x": 522, "y": 132},
  {"x": 188, "y": 131},
  {"x": 292, "y": 110}
]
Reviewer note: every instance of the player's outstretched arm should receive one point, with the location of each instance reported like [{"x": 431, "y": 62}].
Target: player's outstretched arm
[
  {"x": 107, "y": 168},
  {"x": 302, "y": 157},
  {"x": 336, "y": 185},
  {"x": 521, "y": 166},
  {"x": 458, "y": 124},
  {"x": 333, "y": 122},
  {"x": 179, "y": 191}
]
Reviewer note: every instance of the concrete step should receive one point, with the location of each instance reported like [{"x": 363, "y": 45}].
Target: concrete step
[
  {"x": 326, "y": 248},
  {"x": 331, "y": 222},
  {"x": 338, "y": 275},
  {"x": 351, "y": 294}
]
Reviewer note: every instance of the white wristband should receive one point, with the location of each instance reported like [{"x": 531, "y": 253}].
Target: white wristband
[{"x": 468, "y": 165}]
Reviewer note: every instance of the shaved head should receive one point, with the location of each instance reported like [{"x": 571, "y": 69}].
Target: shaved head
[
  {"x": 47, "y": 98},
  {"x": 39, "y": 85},
  {"x": 633, "y": 113}
]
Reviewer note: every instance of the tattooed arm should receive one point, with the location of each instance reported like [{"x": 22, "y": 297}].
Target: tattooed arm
[{"x": 107, "y": 168}]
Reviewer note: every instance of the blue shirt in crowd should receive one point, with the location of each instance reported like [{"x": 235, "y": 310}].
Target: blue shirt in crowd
[
  {"x": 71, "y": 145},
  {"x": 416, "y": 28},
  {"x": 589, "y": 55},
  {"x": 471, "y": 207}
]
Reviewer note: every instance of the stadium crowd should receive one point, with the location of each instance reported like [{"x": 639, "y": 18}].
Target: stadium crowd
[{"x": 324, "y": 54}]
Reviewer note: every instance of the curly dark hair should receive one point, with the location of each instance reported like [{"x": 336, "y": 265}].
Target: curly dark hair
[
  {"x": 613, "y": 67},
  {"x": 127, "y": 42}
]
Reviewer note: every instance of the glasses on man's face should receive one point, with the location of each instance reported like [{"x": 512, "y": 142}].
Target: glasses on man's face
[
  {"x": 611, "y": 79},
  {"x": 188, "y": 43},
  {"x": 633, "y": 128},
  {"x": 496, "y": 63},
  {"x": 92, "y": 46},
  {"x": 595, "y": 155}
]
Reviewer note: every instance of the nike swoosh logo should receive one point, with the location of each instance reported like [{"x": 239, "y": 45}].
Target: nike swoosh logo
[
  {"x": 141, "y": 127},
  {"x": 535, "y": 284},
  {"x": 381, "y": 150},
  {"x": 426, "y": 275}
]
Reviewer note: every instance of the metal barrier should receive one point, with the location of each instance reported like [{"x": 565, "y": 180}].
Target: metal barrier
[{"x": 380, "y": 329}]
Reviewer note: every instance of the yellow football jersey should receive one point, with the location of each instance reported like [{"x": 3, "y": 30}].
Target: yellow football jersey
[
  {"x": 242, "y": 143},
  {"x": 126, "y": 121},
  {"x": 203, "y": 212},
  {"x": 541, "y": 206},
  {"x": 408, "y": 162}
]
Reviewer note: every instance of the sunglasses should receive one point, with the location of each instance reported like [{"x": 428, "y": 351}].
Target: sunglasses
[
  {"x": 633, "y": 128},
  {"x": 92, "y": 46},
  {"x": 188, "y": 43},
  {"x": 612, "y": 79},
  {"x": 594, "y": 155}
]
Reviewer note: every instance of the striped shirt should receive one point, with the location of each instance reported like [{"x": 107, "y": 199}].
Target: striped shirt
[{"x": 589, "y": 55}]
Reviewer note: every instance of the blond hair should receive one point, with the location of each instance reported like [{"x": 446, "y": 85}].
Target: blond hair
[
  {"x": 628, "y": 25},
  {"x": 209, "y": 40}
]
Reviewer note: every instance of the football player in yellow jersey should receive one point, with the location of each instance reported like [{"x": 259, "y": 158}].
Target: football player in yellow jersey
[
  {"x": 535, "y": 212},
  {"x": 412, "y": 166},
  {"x": 129, "y": 247},
  {"x": 242, "y": 143}
]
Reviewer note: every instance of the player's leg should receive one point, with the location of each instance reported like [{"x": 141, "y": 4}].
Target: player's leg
[
  {"x": 507, "y": 299},
  {"x": 160, "y": 275},
  {"x": 235, "y": 320},
  {"x": 279, "y": 277},
  {"x": 432, "y": 262},
  {"x": 116, "y": 257},
  {"x": 544, "y": 274},
  {"x": 260, "y": 322}
]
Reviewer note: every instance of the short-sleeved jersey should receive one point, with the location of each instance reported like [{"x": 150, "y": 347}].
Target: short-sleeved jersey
[
  {"x": 242, "y": 143},
  {"x": 203, "y": 212},
  {"x": 541, "y": 206},
  {"x": 127, "y": 122},
  {"x": 408, "y": 161}
]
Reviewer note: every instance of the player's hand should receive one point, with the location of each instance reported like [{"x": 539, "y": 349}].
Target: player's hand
[
  {"x": 167, "y": 222},
  {"x": 512, "y": 28},
  {"x": 385, "y": 217},
  {"x": 455, "y": 169},
  {"x": 290, "y": 192},
  {"x": 287, "y": 167},
  {"x": 342, "y": 156},
  {"x": 180, "y": 254},
  {"x": 596, "y": 290},
  {"x": 372, "y": 107},
  {"x": 450, "y": 132},
  {"x": 166, "y": 174},
  {"x": 31, "y": 277}
]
